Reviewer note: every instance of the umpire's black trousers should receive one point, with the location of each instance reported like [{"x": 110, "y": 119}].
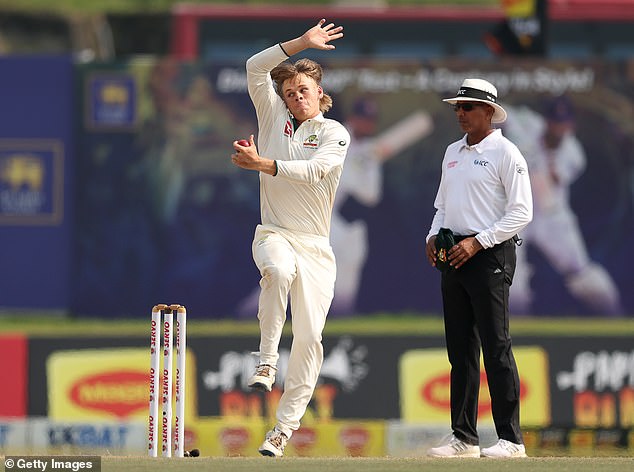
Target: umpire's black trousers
[{"x": 475, "y": 303}]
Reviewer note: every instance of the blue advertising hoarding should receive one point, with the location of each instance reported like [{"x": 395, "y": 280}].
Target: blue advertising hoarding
[{"x": 36, "y": 202}]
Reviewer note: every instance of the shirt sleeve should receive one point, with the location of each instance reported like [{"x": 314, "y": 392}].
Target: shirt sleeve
[
  {"x": 331, "y": 153},
  {"x": 518, "y": 212},
  {"x": 261, "y": 89},
  {"x": 439, "y": 204},
  {"x": 571, "y": 160}
]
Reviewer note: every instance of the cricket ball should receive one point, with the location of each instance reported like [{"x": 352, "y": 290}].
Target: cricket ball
[{"x": 244, "y": 142}]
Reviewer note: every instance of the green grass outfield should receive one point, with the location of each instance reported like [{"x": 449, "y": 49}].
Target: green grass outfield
[
  {"x": 288, "y": 464},
  {"x": 381, "y": 324}
]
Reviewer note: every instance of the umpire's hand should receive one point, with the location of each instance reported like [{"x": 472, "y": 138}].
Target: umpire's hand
[
  {"x": 463, "y": 251},
  {"x": 430, "y": 250}
]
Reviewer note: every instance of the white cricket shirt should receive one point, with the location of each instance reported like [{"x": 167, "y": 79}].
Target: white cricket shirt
[
  {"x": 484, "y": 190},
  {"x": 309, "y": 159}
]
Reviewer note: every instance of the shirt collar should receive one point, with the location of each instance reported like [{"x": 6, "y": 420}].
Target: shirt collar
[
  {"x": 487, "y": 143},
  {"x": 319, "y": 119}
]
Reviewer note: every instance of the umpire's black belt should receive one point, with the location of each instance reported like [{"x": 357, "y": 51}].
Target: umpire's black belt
[{"x": 515, "y": 239}]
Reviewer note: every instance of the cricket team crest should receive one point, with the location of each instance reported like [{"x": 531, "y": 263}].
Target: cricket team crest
[
  {"x": 311, "y": 141},
  {"x": 111, "y": 101},
  {"x": 443, "y": 243},
  {"x": 31, "y": 182},
  {"x": 442, "y": 255}
]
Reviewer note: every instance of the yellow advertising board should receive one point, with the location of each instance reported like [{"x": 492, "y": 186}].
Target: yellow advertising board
[
  {"x": 219, "y": 437},
  {"x": 107, "y": 384},
  {"x": 424, "y": 387},
  {"x": 241, "y": 437},
  {"x": 339, "y": 438},
  {"x": 519, "y": 8}
]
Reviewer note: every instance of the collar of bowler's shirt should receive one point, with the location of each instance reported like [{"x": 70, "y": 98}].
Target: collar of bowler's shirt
[{"x": 319, "y": 118}]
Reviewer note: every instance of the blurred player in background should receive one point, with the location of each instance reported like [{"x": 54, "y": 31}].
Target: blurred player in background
[
  {"x": 362, "y": 179},
  {"x": 299, "y": 176},
  {"x": 184, "y": 136},
  {"x": 556, "y": 159}
]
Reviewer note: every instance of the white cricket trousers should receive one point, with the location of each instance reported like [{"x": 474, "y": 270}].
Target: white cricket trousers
[{"x": 302, "y": 266}]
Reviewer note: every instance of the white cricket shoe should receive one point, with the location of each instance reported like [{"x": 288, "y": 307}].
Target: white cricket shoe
[
  {"x": 263, "y": 379},
  {"x": 504, "y": 449},
  {"x": 274, "y": 443},
  {"x": 454, "y": 447}
]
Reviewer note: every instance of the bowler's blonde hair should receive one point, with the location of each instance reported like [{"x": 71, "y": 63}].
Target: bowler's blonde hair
[{"x": 288, "y": 70}]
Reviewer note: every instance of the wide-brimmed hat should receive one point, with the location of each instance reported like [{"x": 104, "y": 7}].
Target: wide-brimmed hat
[{"x": 479, "y": 90}]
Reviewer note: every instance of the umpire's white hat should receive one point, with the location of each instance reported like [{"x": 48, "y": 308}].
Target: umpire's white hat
[{"x": 479, "y": 90}]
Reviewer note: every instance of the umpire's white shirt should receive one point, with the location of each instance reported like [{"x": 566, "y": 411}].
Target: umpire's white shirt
[
  {"x": 309, "y": 160},
  {"x": 484, "y": 190}
]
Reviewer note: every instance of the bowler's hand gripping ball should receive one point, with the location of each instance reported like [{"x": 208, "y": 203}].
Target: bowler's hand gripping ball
[{"x": 244, "y": 142}]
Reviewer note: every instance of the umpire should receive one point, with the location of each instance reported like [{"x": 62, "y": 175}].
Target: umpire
[{"x": 483, "y": 201}]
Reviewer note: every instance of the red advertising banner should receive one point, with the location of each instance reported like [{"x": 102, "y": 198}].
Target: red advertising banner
[{"x": 13, "y": 375}]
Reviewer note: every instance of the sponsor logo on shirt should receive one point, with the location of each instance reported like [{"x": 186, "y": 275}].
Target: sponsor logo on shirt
[
  {"x": 452, "y": 164},
  {"x": 520, "y": 170},
  {"x": 288, "y": 128},
  {"x": 481, "y": 162},
  {"x": 311, "y": 141}
]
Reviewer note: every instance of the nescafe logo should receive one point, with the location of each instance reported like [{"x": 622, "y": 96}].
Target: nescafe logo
[
  {"x": 436, "y": 393},
  {"x": 190, "y": 437},
  {"x": 234, "y": 439},
  {"x": 304, "y": 439},
  {"x": 120, "y": 393},
  {"x": 354, "y": 439}
]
